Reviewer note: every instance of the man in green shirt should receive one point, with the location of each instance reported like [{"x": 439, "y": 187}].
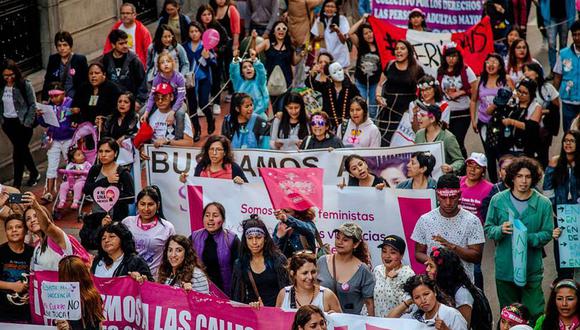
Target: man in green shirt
[{"x": 522, "y": 202}]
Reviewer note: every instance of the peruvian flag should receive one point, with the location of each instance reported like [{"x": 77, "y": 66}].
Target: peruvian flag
[
  {"x": 294, "y": 188},
  {"x": 474, "y": 44}
]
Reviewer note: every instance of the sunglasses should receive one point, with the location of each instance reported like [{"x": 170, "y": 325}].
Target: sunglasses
[
  {"x": 318, "y": 123},
  {"x": 281, "y": 28}
]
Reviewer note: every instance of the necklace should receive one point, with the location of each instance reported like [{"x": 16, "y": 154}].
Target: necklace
[
  {"x": 334, "y": 114},
  {"x": 296, "y": 296}
]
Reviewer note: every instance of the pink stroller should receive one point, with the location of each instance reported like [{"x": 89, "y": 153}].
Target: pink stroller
[{"x": 85, "y": 139}]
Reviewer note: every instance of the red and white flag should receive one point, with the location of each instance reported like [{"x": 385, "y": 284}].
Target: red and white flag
[{"x": 294, "y": 188}]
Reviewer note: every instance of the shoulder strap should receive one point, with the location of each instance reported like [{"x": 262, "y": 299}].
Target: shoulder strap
[
  {"x": 307, "y": 142},
  {"x": 343, "y": 128},
  {"x": 251, "y": 277},
  {"x": 335, "y": 281}
]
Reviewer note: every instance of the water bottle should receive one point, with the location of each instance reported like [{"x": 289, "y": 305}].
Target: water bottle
[{"x": 507, "y": 131}]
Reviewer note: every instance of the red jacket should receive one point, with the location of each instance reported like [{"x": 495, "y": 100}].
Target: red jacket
[{"x": 142, "y": 40}]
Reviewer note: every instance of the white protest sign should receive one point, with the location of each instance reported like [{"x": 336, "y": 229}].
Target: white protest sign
[
  {"x": 61, "y": 300},
  {"x": 48, "y": 114}
]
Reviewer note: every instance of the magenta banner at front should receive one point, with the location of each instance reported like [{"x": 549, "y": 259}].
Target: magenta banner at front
[
  {"x": 441, "y": 15},
  {"x": 130, "y": 305}
]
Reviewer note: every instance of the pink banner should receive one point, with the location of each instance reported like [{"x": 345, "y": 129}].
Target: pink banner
[
  {"x": 294, "y": 188},
  {"x": 411, "y": 210},
  {"x": 129, "y": 305}
]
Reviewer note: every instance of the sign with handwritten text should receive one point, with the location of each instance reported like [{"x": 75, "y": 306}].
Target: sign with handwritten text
[
  {"x": 61, "y": 300},
  {"x": 520, "y": 252},
  {"x": 569, "y": 241}
]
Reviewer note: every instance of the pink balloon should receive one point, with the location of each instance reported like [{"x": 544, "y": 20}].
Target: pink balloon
[
  {"x": 210, "y": 38},
  {"x": 106, "y": 197}
]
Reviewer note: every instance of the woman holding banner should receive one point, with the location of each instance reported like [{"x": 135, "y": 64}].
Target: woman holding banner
[
  {"x": 305, "y": 289},
  {"x": 117, "y": 256},
  {"x": 216, "y": 160},
  {"x": 347, "y": 272},
  {"x": 181, "y": 267},
  {"x": 359, "y": 174},
  {"x": 562, "y": 185},
  {"x": 217, "y": 246},
  {"x": 295, "y": 231},
  {"x": 320, "y": 135},
  {"x": 260, "y": 271},
  {"x": 73, "y": 269},
  {"x": 398, "y": 86}
]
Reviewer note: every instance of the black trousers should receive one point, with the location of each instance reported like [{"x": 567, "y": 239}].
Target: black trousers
[{"x": 20, "y": 136}]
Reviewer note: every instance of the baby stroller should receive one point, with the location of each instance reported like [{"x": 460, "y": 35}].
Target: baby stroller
[{"x": 85, "y": 138}]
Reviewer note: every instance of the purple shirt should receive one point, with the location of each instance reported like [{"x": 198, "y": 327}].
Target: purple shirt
[{"x": 177, "y": 81}]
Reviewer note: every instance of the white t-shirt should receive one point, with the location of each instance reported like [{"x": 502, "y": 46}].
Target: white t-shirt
[
  {"x": 549, "y": 94},
  {"x": 463, "y": 297},
  {"x": 454, "y": 83},
  {"x": 451, "y": 316},
  {"x": 463, "y": 229},
  {"x": 8, "y": 102},
  {"x": 157, "y": 120},
  {"x": 49, "y": 259},
  {"x": 131, "y": 35},
  {"x": 337, "y": 49},
  {"x": 150, "y": 243},
  {"x": 102, "y": 271}
]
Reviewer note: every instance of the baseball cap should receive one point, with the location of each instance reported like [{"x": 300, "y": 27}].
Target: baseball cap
[
  {"x": 416, "y": 11},
  {"x": 163, "y": 89},
  {"x": 477, "y": 157},
  {"x": 395, "y": 242},
  {"x": 350, "y": 229},
  {"x": 521, "y": 327}
]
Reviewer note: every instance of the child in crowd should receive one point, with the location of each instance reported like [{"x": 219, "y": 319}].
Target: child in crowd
[
  {"x": 76, "y": 174},
  {"x": 58, "y": 139},
  {"x": 251, "y": 78},
  {"x": 168, "y": 74}
]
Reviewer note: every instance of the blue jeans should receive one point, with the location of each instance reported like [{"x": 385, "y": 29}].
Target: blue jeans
[
  {"x": 555, "y": 31},
  {"x": 569, "y": 112},
  {"x": 369, "y": 95}
]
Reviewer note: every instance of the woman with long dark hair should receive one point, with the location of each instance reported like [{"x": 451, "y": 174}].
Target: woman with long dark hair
[
  {"x": 228, "y": 16},
  {"x": 398, "y": 87},
  {"x": 428, "y": 305},
  {"x": 359, "y": 174},
  {"x": 117, "y": 256},
  {"x": 518, "y": 55},
  {"x": 73, "y": 269},
  {"x": 368, "y": 63},
  {"x": 562, "y": 185},
  {"x": 347, "y": 272},
  {"x": 359, "y": 131},
  {"x": 17, "y": 113},
  {"x": 242, "y": 126},
  {"x": 122, "y": 124},
  {"x": 172, "y": 16},
  {"x": 290, "y": 126},
  {"x": 165, "y": 41},
  {"x": 181, "y": 266},
  {"x": 457, "y": 81},
  {"x": 260, "y": 271},
  {"x": 309, "y": 317},
  {"x": 149, "y": 228},
  {"x": 549, "y": 98},
  {"x": 446, "y": 269},
  {"x": 562, "y": 309},
  {"x": 493, "y": 77},
  {"x": 217, "y": 246},
  {"x": 331, "y": 29}
]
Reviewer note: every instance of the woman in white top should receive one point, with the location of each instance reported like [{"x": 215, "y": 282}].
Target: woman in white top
[
  {"x": 360, "y": 131},
  {"x": 425, "y": 308},
  {"x": 518, "y": 55},
  {"x": 181, "y": 267},
  {"x": 290, "y": 126},
  {"x": 306, "y": 290},
  {"x": 331, "y": 30},
  {"x": 148, "y": 227},
  {"x": 54, "y": 242}
]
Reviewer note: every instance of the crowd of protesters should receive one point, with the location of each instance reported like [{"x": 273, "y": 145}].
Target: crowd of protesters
[{"x": 154, "y": 89}]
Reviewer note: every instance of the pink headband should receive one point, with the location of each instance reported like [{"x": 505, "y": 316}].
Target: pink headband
[
  {"x": 448, "y": 192},
  {"x": 55, "y": 92},
  {"x": 508, "y": 315}
]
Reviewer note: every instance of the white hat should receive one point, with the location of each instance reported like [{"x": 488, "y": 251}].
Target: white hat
[
  {"x": 521, "y": 327},
  {"x": 479, "y": 158}
]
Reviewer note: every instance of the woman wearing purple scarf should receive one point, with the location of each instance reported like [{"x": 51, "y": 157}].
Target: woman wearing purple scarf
[{"x": 218, "y": 247}]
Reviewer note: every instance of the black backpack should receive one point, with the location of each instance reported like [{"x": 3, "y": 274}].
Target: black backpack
[{"x": 481, "y": 315}]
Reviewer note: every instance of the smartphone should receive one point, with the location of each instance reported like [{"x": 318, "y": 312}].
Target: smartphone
[{"x": 15, "y": 198}]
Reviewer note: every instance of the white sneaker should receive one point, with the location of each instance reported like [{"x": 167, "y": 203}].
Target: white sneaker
[
  {"x": 217, "y": 109},
  {"x": 200, "y": 113}
]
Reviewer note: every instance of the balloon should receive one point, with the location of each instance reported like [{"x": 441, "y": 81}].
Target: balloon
[
  {"x": 106, "y": 197},
  {"x": 210, "y": 38}
]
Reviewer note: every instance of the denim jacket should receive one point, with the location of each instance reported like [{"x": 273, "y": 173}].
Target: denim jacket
[
  {"x": 293, "y": 243},
  {"x": 567, "y": 193},
  {"x": 25, "y": 105}
]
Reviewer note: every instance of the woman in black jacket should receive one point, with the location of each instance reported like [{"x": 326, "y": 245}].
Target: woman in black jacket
[
  {"x": 106, "y": 173},
  {"x": 260, "y": 271},
  {"x": 117, "y": 255},
  {"x": 65, "y": 67},
  {"x": 122, "y": 123},
  {"x": 96, "y": 99}
]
